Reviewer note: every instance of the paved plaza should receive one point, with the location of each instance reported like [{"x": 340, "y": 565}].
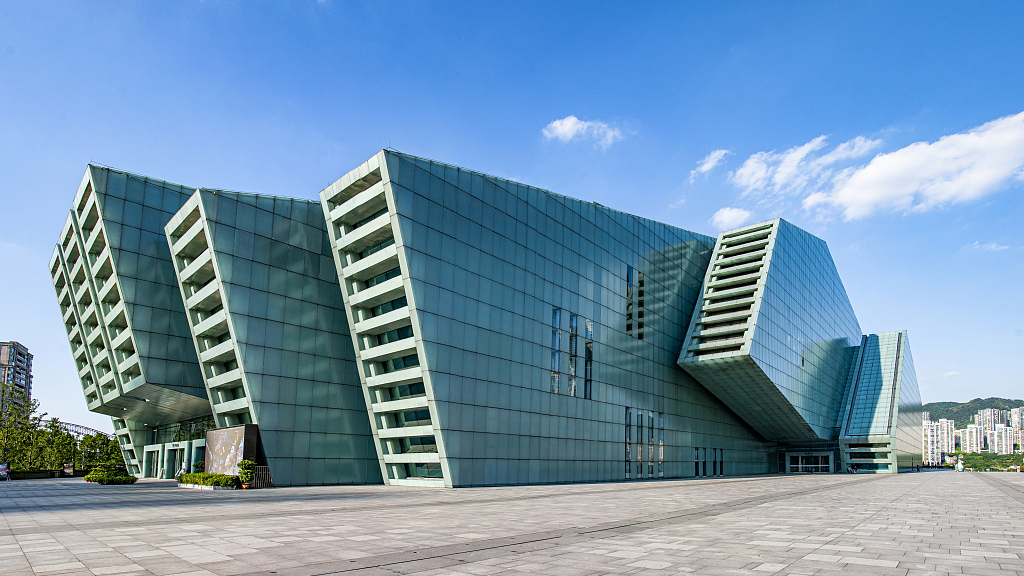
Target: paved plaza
[{"x": 918, "y": 523}]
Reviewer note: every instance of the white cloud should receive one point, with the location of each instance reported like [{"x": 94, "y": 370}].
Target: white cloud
[
  {"x": 796, "y": 169},
  {"x": 708, "y": 163},
  {"x": 942, "y": 375},
  {"x": 954, "y": 169},
  {"x": 990, "y": 247},
  {"x": 572, "y": 128},
  {"x": 729, "y": 218},
  {"x": 678, "y": 203}
]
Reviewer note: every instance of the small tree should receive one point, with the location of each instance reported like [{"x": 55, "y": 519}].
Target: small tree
[
  {"x": 245, "y": 468},
  {"x": 99, "y": 449},
  {"x": 20, "y": 426},
  {"x": 55, "y": 445}
]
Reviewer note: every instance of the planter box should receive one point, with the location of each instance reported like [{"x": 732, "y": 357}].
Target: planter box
[{"x": 201, "y": 487}]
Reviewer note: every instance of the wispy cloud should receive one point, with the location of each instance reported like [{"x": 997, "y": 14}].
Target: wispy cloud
[
  {"x": 990, "y": 247},
  {"x": 729, "y": 218},
  {"x": 797, "y": 169},
  {"x": 572, "y": 128},
  {"x": 923, "y": 176},
  {"x": 708, "y": 163},
  {"x": 941, "y": 375},
  {"x": 678, "y": 203}
]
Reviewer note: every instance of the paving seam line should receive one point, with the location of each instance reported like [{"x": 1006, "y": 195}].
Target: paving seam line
[
  {"x": 1008, "y": 488},
  {"x": 201, "y": 497},
  {"x": 381, "y": 561},
  {"x": 292, "y": 512}
]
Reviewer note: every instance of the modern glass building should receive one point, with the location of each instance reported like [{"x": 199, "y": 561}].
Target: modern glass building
[{"x": 477, "y": 331}]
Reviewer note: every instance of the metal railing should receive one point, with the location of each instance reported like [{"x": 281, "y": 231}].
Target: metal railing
[{"x": 261, "y": 477}]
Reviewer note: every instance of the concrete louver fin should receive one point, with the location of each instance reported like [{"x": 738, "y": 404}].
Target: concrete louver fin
[{"x": 369, "y": 255}]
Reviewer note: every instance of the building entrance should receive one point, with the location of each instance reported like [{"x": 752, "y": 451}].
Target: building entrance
[{"x": 810, "y": 463}]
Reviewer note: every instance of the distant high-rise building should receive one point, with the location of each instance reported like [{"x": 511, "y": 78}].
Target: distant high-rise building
[
  {"x": 947, "y": 438},
  {"x": 989, "y": 418},
  {"x": 1000, "y": 439},
  {"x": 1017, "y": 418},
  {"x": 16, "y": 367},
  {"x": 938, "y": 440},
  {"x": 926, "y": 416},
  {"x": 973, "y": 438},
  {"x": 930, "y": 453}
]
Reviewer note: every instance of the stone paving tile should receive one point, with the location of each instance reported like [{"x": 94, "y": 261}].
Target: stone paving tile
[{"x": 927, "y": 523}]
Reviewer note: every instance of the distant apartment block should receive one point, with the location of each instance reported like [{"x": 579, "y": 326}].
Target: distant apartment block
[
  {"x": 939, "y": 439},
  {"x": 16, "y": 368},
  {"x": 973, "y": 438},
  {"x": 989, "y": 418},
  {"x": 994, "y": 430},
  {"x": 1001, "y": 439},
  {"x": 930, "y": 452}
]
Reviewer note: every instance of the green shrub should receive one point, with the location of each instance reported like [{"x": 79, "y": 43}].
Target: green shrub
[
  {"x": 117, "y": 480},
  {"x": 208, "y": 479},
  {"x": 106, "y": 477},
  {"x": 245, "y": 468},
  {"x": 198, "y": 466}
]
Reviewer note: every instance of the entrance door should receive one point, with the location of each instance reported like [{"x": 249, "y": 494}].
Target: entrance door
[
  {"x": 149, "y": 464},
  {"x": 179, "y": 457},
  {"x": 812, "y": 463}
]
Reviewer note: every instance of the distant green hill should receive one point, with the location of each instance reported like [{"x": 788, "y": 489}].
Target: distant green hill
[{"x": 963, "y": 413}]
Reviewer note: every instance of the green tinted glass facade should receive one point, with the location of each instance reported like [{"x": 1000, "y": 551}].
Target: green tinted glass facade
[
  {"x": 881, "y": 419},
  {"x": 269, "y": 326}
]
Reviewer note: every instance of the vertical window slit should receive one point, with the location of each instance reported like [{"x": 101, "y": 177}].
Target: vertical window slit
[
  {"x": 556, "y": 347},
  {"x": 640, "y": 305},
  {"x": 629, "y": 300},
  {"x": 629, "y": 435},
  {"x": 588, "y": 361},
  {"x": 573, "y": 354}
]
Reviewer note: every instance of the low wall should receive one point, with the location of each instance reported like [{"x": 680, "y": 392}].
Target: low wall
[{"x": 40, "y": 474}]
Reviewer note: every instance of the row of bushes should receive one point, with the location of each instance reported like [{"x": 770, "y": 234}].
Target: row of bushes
[
  {"x": 106, "y": 478},
  {"x": 208, "y": 479}
]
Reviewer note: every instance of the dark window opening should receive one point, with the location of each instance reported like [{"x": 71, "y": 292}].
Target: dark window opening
[
  {"x": 383, "y": 277},
  {"x": 399, "y": 363},
  {"x": 629, "y": 300},
  {"x": 640, "y": 305},
  {"x": 388, "y": 306},
  {"x": 556, "y": 348}
]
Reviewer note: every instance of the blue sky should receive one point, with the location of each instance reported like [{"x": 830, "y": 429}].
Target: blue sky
[{"x": 891, "y": 130}]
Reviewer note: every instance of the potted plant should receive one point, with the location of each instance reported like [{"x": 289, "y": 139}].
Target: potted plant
[{"x": 245, "y": 468}]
